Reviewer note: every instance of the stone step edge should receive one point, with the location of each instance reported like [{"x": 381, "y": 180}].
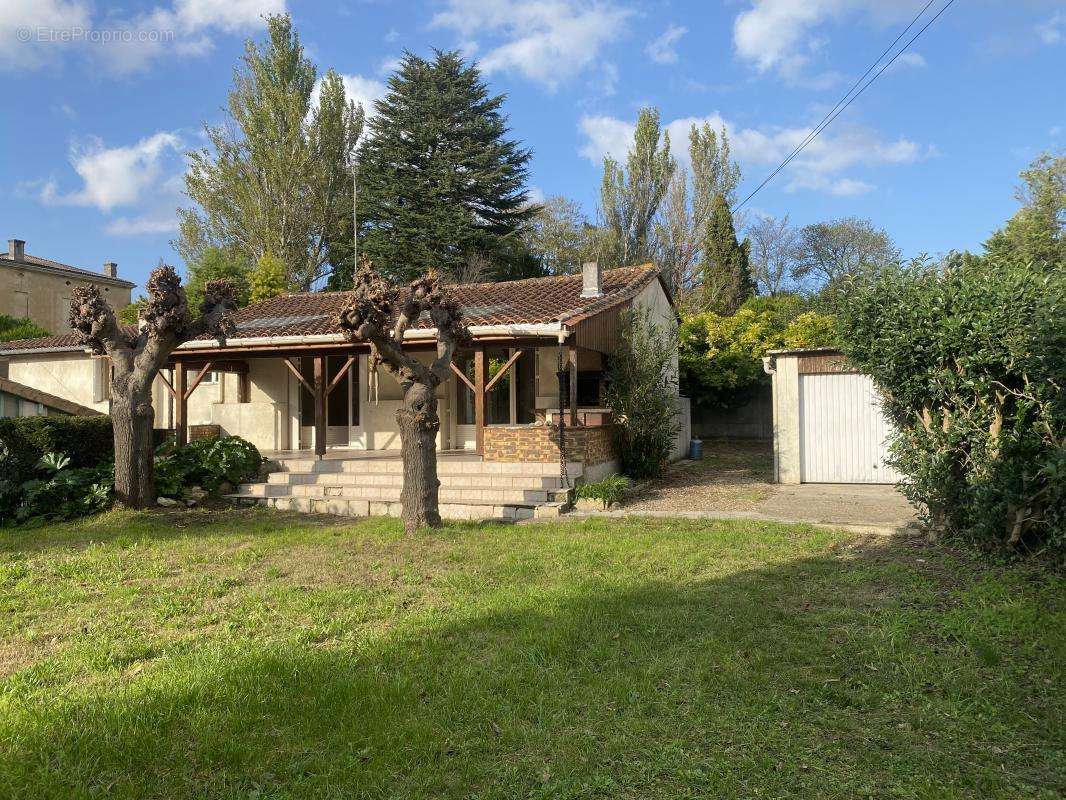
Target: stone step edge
[{"x": 247, "y": 498}]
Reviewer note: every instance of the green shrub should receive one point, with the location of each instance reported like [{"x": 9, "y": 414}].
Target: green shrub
[
  {"x": 207, "y": 463},
  {"x": 60, "y": 491},
  {"x": 14, "y": 328},
  {"x": 86, "y": 441},
  {"x": 641, "y": 390},
  {"x": 970, "y": 356},
  {"x": 610, "y": 490}
]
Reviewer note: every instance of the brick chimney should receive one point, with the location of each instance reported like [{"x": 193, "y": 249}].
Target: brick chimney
[
  {"x": 591, "y": 279},
  {"x": 111, "y": 269},
  {"x": 16, "y": 249}
]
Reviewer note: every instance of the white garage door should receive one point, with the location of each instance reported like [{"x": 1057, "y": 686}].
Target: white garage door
[{"x": 843, "y": 434}]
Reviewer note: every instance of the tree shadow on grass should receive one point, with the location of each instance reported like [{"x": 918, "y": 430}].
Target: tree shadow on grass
[{"x": 837, "y": 676}]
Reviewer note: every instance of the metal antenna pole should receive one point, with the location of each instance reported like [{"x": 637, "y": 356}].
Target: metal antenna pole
[{"x": 355, "y": 214}]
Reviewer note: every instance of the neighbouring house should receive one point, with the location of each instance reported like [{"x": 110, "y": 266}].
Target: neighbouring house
[
  {"x": 39, "y": 289},
  {"x": 289, "y": 382},
  {"x": 828, "y": 423},
  {"x": 17, "y": 400}
]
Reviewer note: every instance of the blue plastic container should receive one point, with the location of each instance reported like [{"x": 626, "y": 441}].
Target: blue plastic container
[{"x": 695, "y": 449}]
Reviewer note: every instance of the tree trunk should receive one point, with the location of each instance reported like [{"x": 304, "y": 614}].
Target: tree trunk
[
  {"x": 419, "y": 423},
  {"x": 132, "y": 419}
]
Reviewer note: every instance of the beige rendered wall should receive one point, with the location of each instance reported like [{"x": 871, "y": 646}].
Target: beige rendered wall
[
  {"x": 73, "y": 376},
  {"x": 785, "y": 378},
  {"x": 45, "y": 298}
]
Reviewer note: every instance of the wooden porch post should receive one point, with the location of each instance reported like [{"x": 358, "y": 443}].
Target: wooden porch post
[
  {"x": 479, "y": 398},
  {"x": 572, "y": 358},
  {"x": 320, "y": 406},
  {"x": 181, "y": 405}
]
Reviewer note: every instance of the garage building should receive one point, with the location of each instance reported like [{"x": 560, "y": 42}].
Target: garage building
[{"x": 828, "y": 424}]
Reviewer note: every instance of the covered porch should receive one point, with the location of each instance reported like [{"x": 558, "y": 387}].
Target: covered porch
[{"x": 321, "y": 400}]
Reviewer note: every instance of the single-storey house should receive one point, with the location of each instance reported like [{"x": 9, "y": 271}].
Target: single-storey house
[{"x": 289, "y": 382}]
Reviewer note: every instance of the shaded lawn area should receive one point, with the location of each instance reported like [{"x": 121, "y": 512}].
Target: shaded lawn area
[{"x": 234, "y": 654}]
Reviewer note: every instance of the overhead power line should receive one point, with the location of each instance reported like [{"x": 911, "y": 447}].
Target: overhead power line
[{"x": 850, "y": 98}]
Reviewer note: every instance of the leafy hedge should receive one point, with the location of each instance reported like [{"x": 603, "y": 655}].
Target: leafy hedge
[
  {"x": 86, "y": 441},
  {"x": 970, "y": 356}
]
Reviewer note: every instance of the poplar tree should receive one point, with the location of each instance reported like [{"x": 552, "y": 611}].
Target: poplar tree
[
  {"x": 277, "y": 177},
  {"x": 631, "y": 193},
  {"x": 439, "y": 181}
]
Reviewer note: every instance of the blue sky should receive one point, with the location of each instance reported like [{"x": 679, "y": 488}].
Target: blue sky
[{"x": 104, "y": 99}]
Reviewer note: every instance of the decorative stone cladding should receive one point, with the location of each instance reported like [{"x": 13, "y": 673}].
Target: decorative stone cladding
[{"x": 587, "y": 445}]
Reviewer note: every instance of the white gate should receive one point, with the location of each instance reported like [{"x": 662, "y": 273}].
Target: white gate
[{"x": 843, "y": 434}]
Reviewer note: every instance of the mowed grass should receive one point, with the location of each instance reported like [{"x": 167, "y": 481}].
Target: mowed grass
[{"x": 256, "y": 655}]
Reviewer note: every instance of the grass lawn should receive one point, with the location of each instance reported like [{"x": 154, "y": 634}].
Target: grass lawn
[{"x": 240, "y": 655}]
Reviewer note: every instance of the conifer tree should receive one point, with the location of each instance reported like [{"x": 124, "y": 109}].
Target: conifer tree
[
  {"x": 727, "y": 280},
  {"x": 438, "y": 179}
]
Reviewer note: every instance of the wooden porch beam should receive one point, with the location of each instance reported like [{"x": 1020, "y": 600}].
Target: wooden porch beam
[
  {"x": 572, "y": 358},
  {"x": 499, "y": 375},
  {"x": 340, "y": 375},
  {"x": 459, "y": 373},
  {"x": 320, "y": 406},
  {"x": 181, "y": 418},
  {"x": 296, "y": 371},
  {"x": 479, "y": 399}
]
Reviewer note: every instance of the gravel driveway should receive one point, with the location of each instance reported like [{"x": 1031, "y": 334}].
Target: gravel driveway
[{"x": 733, "y": 480}]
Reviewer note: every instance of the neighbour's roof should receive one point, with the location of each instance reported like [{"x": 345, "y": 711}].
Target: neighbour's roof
[
  {"x": 532, "y": 301},
  {"x": 47, "y": 265},
  {"x": 44, "y": 398}
]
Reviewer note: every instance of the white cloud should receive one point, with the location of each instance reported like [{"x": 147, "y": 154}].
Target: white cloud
[
  {"x": 25, "y": 26},
  {"x": 908, "y": 60},
  {"x": 142, "y": 226},
  {"x": 819, "y": 167},
  {"x": 115, "y": 176},
  {"x": 779, "y": 34},
  {"x": 37, "y": 32},
  {"x": 664, "y": 49},
  {"x": 1053, "y": 29},
  {"x": 548, "y": 41}
]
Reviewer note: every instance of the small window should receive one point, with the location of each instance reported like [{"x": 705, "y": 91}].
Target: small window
[{"x": 211, "y": 377}]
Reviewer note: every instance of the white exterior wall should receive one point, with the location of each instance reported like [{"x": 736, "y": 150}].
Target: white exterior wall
[{"x": 661, "y": 312}]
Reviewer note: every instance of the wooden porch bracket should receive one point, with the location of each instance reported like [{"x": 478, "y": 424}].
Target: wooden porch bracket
[
  {"x": 167, "y": 383},
  {"x": 462, "y": 377},
  {"x": 296, "y": 371},
  {"x": 340, "y": 375},
  {"x": 196, "y": 381},
  {"x": 503, "y": 371}
]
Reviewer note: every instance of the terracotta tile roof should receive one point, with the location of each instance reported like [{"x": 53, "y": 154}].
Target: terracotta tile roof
[
  {"x": 525, "y": 302},
  {"x": 47, "y": 264}
]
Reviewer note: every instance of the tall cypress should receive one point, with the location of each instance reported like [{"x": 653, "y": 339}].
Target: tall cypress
[
  {"x": 440, "y": 185},
  {"x": 727, "y": 280}
]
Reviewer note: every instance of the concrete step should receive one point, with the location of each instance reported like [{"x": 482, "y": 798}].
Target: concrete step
[
  {"x": 483, "y": 480},
  {"x": 364, "y": 508},
  {"x": 465, "y": 494},
  {"x": 393, "y": 466}
]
